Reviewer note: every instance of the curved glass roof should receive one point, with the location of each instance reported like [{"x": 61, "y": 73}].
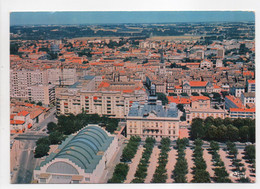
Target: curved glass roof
[{"x": 82, "y": 148}]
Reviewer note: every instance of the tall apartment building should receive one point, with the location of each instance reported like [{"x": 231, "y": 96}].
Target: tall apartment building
[
  {"x": 20, "y": 80},
  {"x": 66, "y": 76},
  {"x": 111, "y": 103},
  {"x": 83, "y": 96},
  {"x": 42, "y": 93},
  {"x": 38, "y": 85}
]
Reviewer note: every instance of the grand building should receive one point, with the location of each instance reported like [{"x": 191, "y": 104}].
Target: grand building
[
  {"x": 82, "y": 158},
  {"x": 152, "y": 119}
]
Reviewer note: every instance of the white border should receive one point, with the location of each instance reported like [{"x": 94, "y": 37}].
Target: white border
[{"x": 7, "y": 6}]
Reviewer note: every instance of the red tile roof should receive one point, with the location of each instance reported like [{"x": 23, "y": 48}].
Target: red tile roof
[
  {"x": 16, "y": 122},
  {"x": 251, "y": 81},
  {"x": 198, "y": 83},
  {"x": 23, "y": 113},
  {"x": 196, "y": 98},
  {"x": 178, "y": 100},
  {"x": 242, "y": 110}
]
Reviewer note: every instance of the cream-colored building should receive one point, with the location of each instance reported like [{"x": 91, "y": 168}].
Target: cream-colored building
[
  {"x": 112, "y": 103},
  {"x": 153, "y": 120},
  {"x": 200, "y": 108},
  {"x": 82, "y": 158},
  {"x": 42, "y": 93}
]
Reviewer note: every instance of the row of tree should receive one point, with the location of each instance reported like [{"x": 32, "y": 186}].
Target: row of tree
[
  {"x": 250, "y": 156},
  {"x": 239, "y": 168},
  {"x": 223, "y": 130},
  {"x": 200, "y": 174},
  {"x": 73, "y": 123},
  {"x": 122, "y": 168},
  {"x": 130, "y": 149},
  {"x": 220, "y": 173},
  {"x": 181, "y": 167},
  {"x": 160, "y": 175},
  {"x": 70, "y": 124},
  {"x": 120, "y": 173},
  {"x": 141, "y": 171}
]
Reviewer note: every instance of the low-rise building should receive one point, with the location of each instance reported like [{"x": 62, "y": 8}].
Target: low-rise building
[
  {"x": 242, "y": 113},
  {"x": 248, "y": 98}
]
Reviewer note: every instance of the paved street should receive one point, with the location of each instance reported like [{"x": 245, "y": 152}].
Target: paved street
[{"x": 24, "y": 157}]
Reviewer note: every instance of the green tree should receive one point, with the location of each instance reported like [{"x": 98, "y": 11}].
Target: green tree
[
  {"x": 184, "y": 94},
  {"x": 222, "y": 133},
  {"x": 51, "y": 126},
  {"x": 43, "y": 140},
  {"x": 232, "y": 133},
  {"x": 244, "y": 133},
  {"x": 39, "y": 104},
  {"x": 212, "y": 132},
  {"x": 55, "y": 137},
  {"x": 195, "y": 94},
  {"x": 197, "y": 129},
  {"x": 119, "y": 174},
  {"x": 163, "y": 98},
  {"x": 41, "y": 150}
]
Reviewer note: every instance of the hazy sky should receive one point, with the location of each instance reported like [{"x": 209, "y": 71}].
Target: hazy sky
[{"x": 24, "y": 18}]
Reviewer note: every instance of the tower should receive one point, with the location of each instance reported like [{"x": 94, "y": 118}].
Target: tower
[{"x": 162, "y": 64}]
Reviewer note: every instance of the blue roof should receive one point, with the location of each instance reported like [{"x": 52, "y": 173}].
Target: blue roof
[
  {"x": 82, "y": 148},
  {"x": 88, "y": 77},
  {"x": 75, "y": 85},
  {"x": 144, "y": 110}
]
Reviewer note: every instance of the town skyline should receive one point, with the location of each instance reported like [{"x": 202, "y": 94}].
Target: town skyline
[{"x": 133, "y": 102}]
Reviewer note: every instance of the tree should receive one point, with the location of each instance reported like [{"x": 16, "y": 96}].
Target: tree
[
  {"x": 180, "y": 107},
  {"x": 250, "y": 153},
  {"x": 41, "y": 150},
  {"x": 222, "y": 133},
  {"x": 163, "y": 98},
  {"x": 227, "y": 121},
  {"x": 55, "y": 137},
  {"x": 232, "y": 133},
  {"x": 209, "y": 120},
  {"x": 197, "y": 129},
  {"x": 120, "y": 173},
  {"x": 172, "y": 94},
  {"x": 39, "y": 104},
  {"x": 44, "y": 140},
  {"x": 252, "y": 134},
  {"x": 212, "y": 133},
  {"x": 51, "y": 126},
  {"x": 218, "y": 121},
  {"x": 244, "y": 133},
  {"x": 195, "y": 94},
  {"x": 184, "y": 94}
]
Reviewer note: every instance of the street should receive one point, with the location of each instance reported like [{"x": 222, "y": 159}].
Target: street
[{"x": 25, "y": 161}]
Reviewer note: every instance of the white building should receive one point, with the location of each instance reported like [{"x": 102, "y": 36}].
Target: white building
[
  {"x": 153, "y": 120},
  {"x": 219, "y": 63},
  {"x": 42, "y": 93},
  {"x": 248, "y": 98},
  {"x": 82, "y": 158}
]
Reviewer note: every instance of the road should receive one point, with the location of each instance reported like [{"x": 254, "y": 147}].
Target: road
[{"x": 26, "y": 161}]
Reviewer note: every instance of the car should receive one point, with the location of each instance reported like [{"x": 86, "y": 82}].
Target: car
[{"x": 44, "y": 130}]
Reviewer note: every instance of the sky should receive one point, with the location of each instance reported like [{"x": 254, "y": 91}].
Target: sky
[{"x": 117, "y": 17}]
